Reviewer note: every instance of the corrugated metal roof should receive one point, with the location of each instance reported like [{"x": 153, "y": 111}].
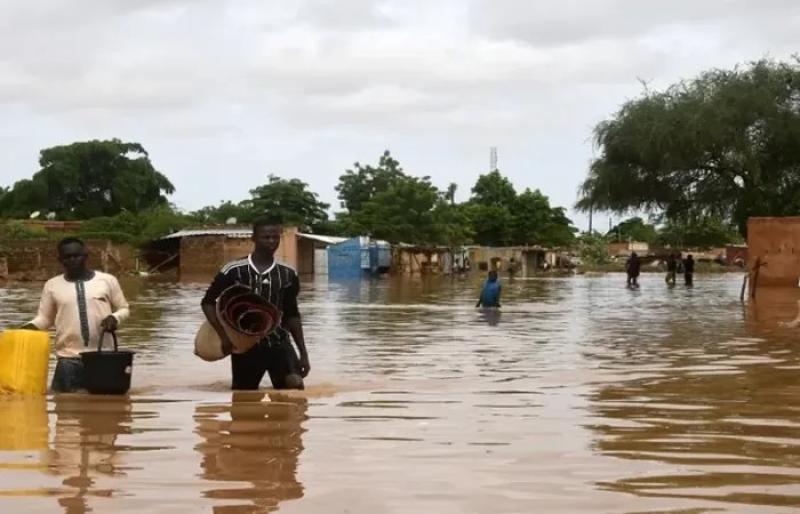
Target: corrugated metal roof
[
  {"x": 239, "y": 232},
  {"x": 331, "y": 240},
  {"x": 245, "y": 232}
]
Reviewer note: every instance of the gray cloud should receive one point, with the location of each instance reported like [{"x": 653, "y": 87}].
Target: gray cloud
[{"x": 304, "y": 88}]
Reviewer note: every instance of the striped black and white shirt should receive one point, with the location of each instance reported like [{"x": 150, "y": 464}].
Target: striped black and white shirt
[{"x": 278, "y": 284}]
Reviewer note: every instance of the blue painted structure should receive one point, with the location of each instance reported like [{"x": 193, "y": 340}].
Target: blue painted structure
[{"x": 358, "y": 257}]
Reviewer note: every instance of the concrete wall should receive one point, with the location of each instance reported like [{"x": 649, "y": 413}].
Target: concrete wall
[
  {"x": 624, "y": 248},
  {"x": 776, "y": 242},
  {"x": 38, "y": 260}
]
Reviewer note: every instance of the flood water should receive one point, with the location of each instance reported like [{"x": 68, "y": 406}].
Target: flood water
[{"x": 581, "y": 396}]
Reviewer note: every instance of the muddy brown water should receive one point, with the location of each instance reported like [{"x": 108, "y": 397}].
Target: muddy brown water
[{"x": 580, "y": 396}]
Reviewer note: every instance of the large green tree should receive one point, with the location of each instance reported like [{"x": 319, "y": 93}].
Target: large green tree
[
  {"x": 724, "y": 145},
  {"x": 494, "y": 189},
  {"x": 706, "y": 232},
  {"x": 359, "y": 185},
  {"x": 501, "y": 217},
  {"x": 287, "y": 199},
  {"x": 291, "y": 200},
  {"x": 535, "y": 222},
  {"x": 89, "y": 179},
  {"x": 403, "y": 213}
]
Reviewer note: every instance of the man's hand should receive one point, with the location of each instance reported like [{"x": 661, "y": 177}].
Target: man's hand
[
  {"x": 305, "y": 366},
  {"x": 109, "y": 324}
]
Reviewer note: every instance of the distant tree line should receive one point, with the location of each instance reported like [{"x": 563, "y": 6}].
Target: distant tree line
[{"x": 115, "y": 189}]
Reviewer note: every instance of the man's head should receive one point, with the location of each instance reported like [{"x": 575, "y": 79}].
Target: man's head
[
  {"x": 633, "y": 254},
  {"x": 493, "y": 276},
  {"x": 267, "y": 235},
  {"x": 72, "y": 255}
]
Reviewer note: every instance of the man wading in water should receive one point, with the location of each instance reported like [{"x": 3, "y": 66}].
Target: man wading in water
[
  {"x": 279, "y": 285},
  {"x": 81, "y": 304},
  {"x": 632, "y": 267},
  {"x": 490, "y": 294}
]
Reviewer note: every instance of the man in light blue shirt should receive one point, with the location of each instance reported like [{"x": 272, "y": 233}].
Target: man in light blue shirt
[{"x": 490, "y": 294}]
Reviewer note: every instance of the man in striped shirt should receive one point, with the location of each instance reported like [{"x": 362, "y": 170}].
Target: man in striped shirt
[{"x": 279, "y": 285}]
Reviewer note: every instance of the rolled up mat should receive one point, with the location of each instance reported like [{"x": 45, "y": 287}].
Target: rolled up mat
[{"x": 246, "y": 318}]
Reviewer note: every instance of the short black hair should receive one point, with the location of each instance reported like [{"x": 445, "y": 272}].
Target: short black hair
[
  {"x": 68, "y": 241},
  {"x": 267, "y": 221}
]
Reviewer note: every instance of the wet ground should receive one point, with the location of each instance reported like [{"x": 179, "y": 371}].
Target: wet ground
[{"x": 581, "y": 396}]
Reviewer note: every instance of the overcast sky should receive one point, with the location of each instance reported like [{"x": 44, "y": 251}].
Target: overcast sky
[{"x": 222, "y": 93}]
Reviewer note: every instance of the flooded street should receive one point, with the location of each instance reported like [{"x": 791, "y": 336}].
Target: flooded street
[{"x": 581, "y": 396}]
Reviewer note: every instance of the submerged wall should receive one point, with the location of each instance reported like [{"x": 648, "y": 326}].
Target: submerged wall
[{"x": 776, "y": 242}]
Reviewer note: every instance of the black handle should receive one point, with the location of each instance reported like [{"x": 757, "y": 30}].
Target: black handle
[{"x": 103, "y": 336}]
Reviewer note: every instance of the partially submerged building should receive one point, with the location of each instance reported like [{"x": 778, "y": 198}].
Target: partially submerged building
[
  {"x": 524, "y": 260},
  {"x": 625, "y": 248},
  {"x": 773, "y": 244},
  {"x": 359, "y": 256},
  {"x": 410, "y": 259},
  {"x": 199, "y": 253}
]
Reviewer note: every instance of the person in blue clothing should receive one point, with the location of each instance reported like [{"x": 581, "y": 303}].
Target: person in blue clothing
[{"x": 490, "y": 294}]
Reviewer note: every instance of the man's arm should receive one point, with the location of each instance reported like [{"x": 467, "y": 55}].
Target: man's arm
[
  {"x": 119, "y": 306},
  {"x": 294, "y": 324},
  {"x": 208, "y": 304},
  {"x": 46, "y": 315}
]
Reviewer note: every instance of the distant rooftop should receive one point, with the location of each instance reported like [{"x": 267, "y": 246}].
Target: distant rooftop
[{"x": 244, "y": 233}]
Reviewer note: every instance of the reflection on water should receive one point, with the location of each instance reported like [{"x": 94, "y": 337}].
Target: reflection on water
[
  {"x": 85, "y": 446},
  {"x": 250, "y": 450},
  {"x": 579, "y": 396}
]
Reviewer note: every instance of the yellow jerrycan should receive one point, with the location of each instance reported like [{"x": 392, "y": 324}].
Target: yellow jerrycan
[{"x": 24, "y": 356}]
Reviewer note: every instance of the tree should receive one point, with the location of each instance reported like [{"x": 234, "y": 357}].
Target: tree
[
  {"x": 136, "y": 228},
  {"x": 535, "y": 222},
  {"x": 242, "y": 212},
  {"x": 491, "y": 224},
  {"x": 403, "y": 213},
  {"x": 88, "y": 179},
  {"x": 725, "y": 145},
  {"x": 289, "y": 200},
  {"x": 451, "y": 223},
  {"x": 359, "y": 185},
  {"x": 705, "y": 232},
  {"x": 493, "y": 189},
  {"x": 593, "y": 249},
  {"x": 634, "y": 229},
  {"x": 450, "y": 194}
]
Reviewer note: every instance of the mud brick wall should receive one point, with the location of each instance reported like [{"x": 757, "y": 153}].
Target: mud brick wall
[
  {"x": 203, "y": 256},
  {"x": 36, "y": 260},
  {"x": 776, "y": 241}
]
